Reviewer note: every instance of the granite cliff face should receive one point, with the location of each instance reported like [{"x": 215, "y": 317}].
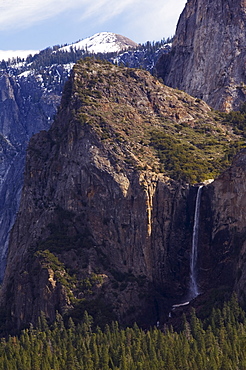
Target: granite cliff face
[
  {"x": 99, "y": 228},
  {"x": 223, "y": 231},
  {"x": 208, "y": 53},
  {"x": 30, "y": 92}
]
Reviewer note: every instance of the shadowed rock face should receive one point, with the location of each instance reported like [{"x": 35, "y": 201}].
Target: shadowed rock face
[
  {"x": 98, "y": 228},
  {"x": 89, "y": 213},
  {"x": 27, "y": 105},
  {"x": 208, "y": 54},
  {"x": 223, "y": 230}
]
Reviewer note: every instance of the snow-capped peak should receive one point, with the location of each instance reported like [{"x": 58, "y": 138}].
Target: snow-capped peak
[{"x": 103, "y": 42}]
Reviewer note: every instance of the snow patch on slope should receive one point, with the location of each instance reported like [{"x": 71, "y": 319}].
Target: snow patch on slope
[
  {"x": 9, "y": 54},
  {"x": 103, "y": 42}
]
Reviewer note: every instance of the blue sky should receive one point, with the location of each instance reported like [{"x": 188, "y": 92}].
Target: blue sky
[{"x": 37, "y": 24}]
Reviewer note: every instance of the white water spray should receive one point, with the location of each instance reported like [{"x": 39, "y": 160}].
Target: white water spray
[{"x": 193, "y": 291}]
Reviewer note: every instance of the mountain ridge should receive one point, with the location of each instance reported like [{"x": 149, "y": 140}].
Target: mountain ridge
[
  {"x": 103, "y": 42},
  {"x": 30, "y": 94},
  {"x": 107, "y": 209}
]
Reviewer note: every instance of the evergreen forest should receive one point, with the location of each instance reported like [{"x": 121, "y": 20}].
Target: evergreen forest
[{"x": 218, "y": 342}]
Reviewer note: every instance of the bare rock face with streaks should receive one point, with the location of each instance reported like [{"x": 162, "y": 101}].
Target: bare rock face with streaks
[
  {"x": 101, "y": 227},
  {"x": 208, "y": 54},
  {"x": 98, "y": 228}
]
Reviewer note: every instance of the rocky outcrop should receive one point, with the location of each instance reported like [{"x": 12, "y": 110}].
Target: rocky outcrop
[
  {"x": 30, "y": 93},
  {"x": 98, "y": 228},
  {"x": 208, "y": 53}
]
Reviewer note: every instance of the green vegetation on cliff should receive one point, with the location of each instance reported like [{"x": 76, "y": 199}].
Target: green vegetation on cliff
[
  {"x": 218, "y": 343},
  {"x": 148, "y": 125}
]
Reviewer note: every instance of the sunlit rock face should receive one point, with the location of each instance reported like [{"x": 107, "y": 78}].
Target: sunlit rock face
[
  {"x": 100, "y": 227},
  {"x": 94, "y": 212},
  {"x": 208, "y": 54}
]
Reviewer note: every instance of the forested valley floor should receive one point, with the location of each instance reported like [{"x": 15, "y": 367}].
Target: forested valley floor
[{"x": 219, "y": 342}]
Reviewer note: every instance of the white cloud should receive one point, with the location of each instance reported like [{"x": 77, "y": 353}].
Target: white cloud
[
  {"x": 143, "y": 18},
  {"x": 19, "y": 14},
  {"x": 107, "y": 9},
  {"x": 37, "y": 24},
  {"x": 155, "y": 19},
  {"x": 24, "y": 13}
]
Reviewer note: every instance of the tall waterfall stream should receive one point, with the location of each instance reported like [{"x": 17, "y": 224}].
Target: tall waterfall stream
[{"x": 193, "y": 287}]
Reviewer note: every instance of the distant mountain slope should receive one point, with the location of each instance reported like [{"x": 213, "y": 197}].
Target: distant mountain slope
[
  {"x": 103, "y": 42},
  {"x": 9, "y": 54},
  {"x": 105, "y": 45},
  {"x": 28, "y": 102}
]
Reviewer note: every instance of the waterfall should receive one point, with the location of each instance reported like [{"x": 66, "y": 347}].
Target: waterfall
[{"x": 193, "y": 289}]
